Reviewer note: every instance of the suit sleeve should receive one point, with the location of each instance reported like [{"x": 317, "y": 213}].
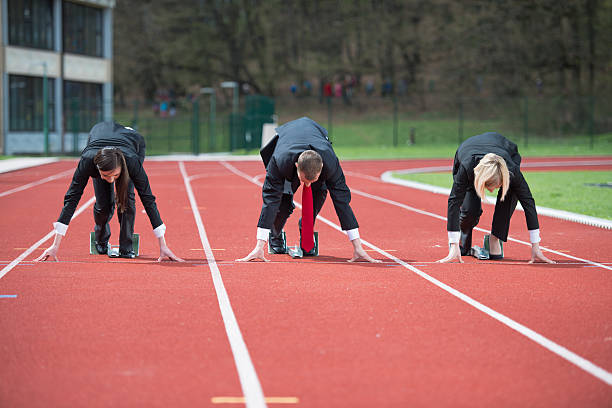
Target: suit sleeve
[
  {"x": 75, "y": 190},
  {"x": 141, "y": 183},
  {"x": 341, "y": 198},
  {"x": 521, "y": 189},
  {"x": 271, "y": 192},
  {"x": 455, "y": 199}
]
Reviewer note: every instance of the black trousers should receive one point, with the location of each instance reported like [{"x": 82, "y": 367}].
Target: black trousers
[
  {"x": 471, "y": 210},
  {"x": 286, "y": 207},
  {"x": 104, "y": 209}
]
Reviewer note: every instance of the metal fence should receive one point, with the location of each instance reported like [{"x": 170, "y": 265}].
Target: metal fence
[{"x": 199, "y": 126}]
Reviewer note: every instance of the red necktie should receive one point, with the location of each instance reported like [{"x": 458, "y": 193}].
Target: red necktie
[{"x": 307, "y": 219}]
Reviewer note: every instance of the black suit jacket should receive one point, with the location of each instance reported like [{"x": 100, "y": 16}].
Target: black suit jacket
[
  {"x": 132, "y": 145},
  {"x": 468, "y": 156},
  {"x": 281, "y": 154}
]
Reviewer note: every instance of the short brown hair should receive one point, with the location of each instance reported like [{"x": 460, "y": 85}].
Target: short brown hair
[{"x": 310, "y": 164}]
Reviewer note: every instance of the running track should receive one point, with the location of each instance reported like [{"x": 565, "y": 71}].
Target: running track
[{"x": 90, "y": 331}]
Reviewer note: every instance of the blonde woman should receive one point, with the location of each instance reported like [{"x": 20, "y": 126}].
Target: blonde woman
[{"x": 488, "y": 162}]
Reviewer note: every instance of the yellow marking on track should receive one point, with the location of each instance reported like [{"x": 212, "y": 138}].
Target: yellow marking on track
[{"x": 268, "y": 400}]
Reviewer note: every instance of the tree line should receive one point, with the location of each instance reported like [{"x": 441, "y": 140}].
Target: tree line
[{"x": 509, "y": 48}]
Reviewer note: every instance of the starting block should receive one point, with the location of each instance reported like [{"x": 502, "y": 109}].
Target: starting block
[
  {"x": 484, "y": 252},
  {"x": 479, "y": 253},
  {"x": 297, "y": 252},
  {"x": 114, "y": 251}
]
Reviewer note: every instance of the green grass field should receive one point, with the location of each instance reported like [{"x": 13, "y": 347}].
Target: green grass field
[
  {"x": 369, "y": 136},
  {"x": 562, "y": 190}
]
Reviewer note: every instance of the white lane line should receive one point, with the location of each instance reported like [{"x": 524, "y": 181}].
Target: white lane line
[
  {"x": 440, "y": 217},
  {"x": 388, "y": 177},
  {"x": 550, "y": 345},
  {"x": 36, "y": 183},
  {"x": 31, "y": 249},
  {"x": 251, "y": 387}
]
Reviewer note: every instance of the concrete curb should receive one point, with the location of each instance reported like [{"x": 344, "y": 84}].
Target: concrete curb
[{"x": 24, "y": 162}]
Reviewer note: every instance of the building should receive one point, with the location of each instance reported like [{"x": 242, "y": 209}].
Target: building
[{"x": 67, "y": 46}]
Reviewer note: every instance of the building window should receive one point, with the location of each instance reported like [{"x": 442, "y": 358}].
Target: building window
[
  {"x": 83, "y": 106},
  {"x": 82, "y": 29},
  {"x": 26, "y": 103},
  {"x": 31, "y": 23}
]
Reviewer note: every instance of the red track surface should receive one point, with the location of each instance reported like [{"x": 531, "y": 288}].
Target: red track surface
[{"x": 90, "y": 331}]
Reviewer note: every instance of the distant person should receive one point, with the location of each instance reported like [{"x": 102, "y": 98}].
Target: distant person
[
  {"x": 369, "y": 87},
  {"x": 113, "y": 159},
  {"x": 488, "y": 161},
  {"x": 327, "y": 90},
  {"x": 301, "y": 154}
]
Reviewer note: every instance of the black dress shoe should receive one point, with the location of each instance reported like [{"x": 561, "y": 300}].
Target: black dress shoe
[
  {"x": 277, "y": 245},
  {"x": 312, "y": 252},
  {"x": 102, "y": 248},
  {"x": 127, "y": 254}
]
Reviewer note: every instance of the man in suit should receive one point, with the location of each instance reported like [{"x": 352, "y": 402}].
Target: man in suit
[{"x": 301, "y": 154}]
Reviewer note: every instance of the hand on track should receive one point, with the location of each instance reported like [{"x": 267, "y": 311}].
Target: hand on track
[
  {"x": 360, "y": 253},
  {"x": 51, "y": 251},
  {"x": 453, "y": 253},
  {"x": 257, "y": 253},
  {"x": 536, "y": 253},
  {"x": 166, "y": 252}
]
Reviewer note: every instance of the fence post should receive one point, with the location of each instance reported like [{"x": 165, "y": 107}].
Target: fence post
[
  {"x": 394, "y": 119},
  {"x": 75, "y": 125},
  {"x": 211, "y": 137},
  {"x": 169, "y": 135},
  {"x": 526, "y": 121},
  {"x": 135, "y": 118},
  {"x": 45, "y": 107},
  {"x": 460, "y": 130},
  {"x": 329, "y": 117},
  {"x": 195, "y": 128},
  {"x": 591, "y": 120}
]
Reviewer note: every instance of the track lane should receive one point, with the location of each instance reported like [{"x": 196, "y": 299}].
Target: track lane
[
  {"x": 90, "y": 331},
  {"x": 290, "y": 273},
  {"x": 419, "y": 255}
]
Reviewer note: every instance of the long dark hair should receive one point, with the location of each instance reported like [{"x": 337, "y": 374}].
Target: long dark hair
[{"x": 108, "y": 159}]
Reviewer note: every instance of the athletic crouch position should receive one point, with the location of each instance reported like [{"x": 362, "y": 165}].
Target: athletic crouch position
[
  {"x": 113, "y": 157},
  {"x": 488, "y": 161},
  {"x": 301, "y": 154}
]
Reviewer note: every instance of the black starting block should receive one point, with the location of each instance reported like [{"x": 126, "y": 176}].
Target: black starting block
[
  {"x": 114, "y": 250},
  {"x": 296, "y": 251},
  {"x": 484, "y": 252}
]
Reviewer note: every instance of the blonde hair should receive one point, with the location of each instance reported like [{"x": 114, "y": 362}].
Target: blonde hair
[{"x": 491, "y": 172}]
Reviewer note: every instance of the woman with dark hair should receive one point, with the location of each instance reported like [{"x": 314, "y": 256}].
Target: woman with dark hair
[
  {"x": 488, "y": 161},
  {"x": 113, "y": 156}
]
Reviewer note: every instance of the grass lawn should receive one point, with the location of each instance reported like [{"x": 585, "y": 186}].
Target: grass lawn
[{"x": 562, "y": 190}]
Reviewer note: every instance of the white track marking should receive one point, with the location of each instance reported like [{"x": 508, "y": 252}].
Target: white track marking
[
  {"x": 31, "y": 249},
  {"x": 36, "y": 183},
  {"x": 440, "y": 217},
  {"x": 387, "y": 177},
  {"x": 251, "y": 387},
  {"x": 550, "y": 345}
]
